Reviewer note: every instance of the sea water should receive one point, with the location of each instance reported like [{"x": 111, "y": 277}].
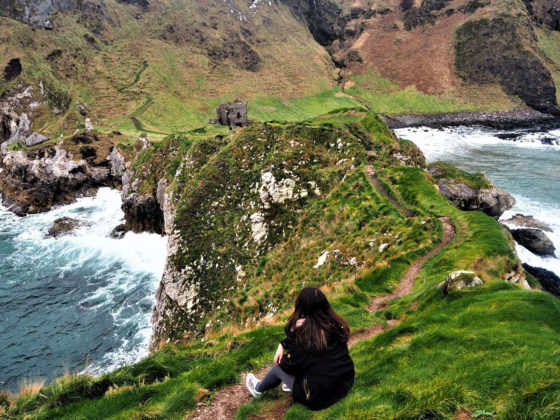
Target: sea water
[
  {"x": 76, "y": 303},
  {"x": 522, "y": 165}
]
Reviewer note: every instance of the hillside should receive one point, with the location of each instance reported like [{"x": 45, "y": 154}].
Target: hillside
[
  {"x": 163, "y": 67},
  {"x": 317, "y": 190},
  {"x": 371, "y": 205}
]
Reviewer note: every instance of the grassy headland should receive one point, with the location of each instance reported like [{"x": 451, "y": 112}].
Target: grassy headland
[{"x": 491, "y": 348}]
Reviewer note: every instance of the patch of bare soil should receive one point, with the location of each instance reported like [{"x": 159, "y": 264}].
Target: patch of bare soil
[
  {"x": 423, "y": 58},
  {"x": 226, "y": 401}
]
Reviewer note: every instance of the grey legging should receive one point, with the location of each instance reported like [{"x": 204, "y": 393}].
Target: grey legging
[{"x": 273, "y": 378}]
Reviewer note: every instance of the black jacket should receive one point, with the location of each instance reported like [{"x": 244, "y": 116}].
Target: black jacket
[{"x": 323, "y": 378}]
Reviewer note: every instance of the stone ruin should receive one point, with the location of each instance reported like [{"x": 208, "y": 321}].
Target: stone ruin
[{"x": 232, "y": 114}]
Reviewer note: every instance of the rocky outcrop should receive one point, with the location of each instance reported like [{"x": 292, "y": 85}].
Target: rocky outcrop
[
  {"x": 18, "y": 108},
  {"x": 33, "y": 182},
  {"x": 544, "y": 12},
  {"x": 492, "y": 201},
  {"x": 143, "y": 213},
  {"x": 549, "y": 281},
  {"x": 518, "y": 277},
  {"x": 480, "y": 59},
  {"x": 324, "y": 18},
  {"x": 38, "y": 12},
  {"x": 528, "y": 222},
  {"x": 222, "y": 215},
  {"x": 534, "y": 240},
  {"x": 62, "y": 226},
  {"x": 118, "y": 232},
  {"x": 459, "y": 280}
]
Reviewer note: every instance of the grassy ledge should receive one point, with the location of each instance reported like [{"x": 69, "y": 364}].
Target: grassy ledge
[{"x": 491, "y": 348}]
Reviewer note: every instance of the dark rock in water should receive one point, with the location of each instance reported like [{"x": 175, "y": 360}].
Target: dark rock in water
[
  {"x": 491, "y": 201},
  {"x": 143, "y": 214},
  {"x": 503, "y": 120},
  {"x": 551, "y": 141},
  {"x": 118, "y": 232},
  {"x": 549, "y": 281},
  {"x": 507, "y": 136},
  {"x": 534, "y": 240},
  {"x": 12, "y": 70},
  {"x": 63, "y": 226},
  {"x": 528, "y": 221}
]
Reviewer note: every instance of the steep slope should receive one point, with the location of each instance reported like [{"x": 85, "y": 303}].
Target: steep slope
[
  {"x": 491, "y": 347},
  {"x": 163, "y": 67},
  {"x": 441, "y": 46},
  {"x": 166, "y": 65}
]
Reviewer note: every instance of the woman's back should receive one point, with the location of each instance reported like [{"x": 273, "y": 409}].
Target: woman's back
[{"x": 322, "y": 378}]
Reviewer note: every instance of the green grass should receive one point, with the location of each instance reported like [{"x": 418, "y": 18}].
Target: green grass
[
  {"x": 162, "y": 386},
  {"x": 300, "y": 108},
  {"x": 444, "y": 170},
  {"x": 490, "y": 348},
  {"x": 549, "y": 43},
  {"x": 385, "y": 97},
  {"x": 480, "y": 350}
]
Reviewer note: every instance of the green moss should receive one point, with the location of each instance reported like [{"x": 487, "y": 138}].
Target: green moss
[{"x": 442, "y": 170}]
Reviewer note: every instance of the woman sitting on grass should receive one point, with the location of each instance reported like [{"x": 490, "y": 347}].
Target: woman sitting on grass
[{"x": 313, "y": 360}]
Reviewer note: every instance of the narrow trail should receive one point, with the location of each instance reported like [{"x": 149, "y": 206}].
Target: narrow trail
[
  {"x": 370, "y": 171},
  {"x": 227, "y": 401}
]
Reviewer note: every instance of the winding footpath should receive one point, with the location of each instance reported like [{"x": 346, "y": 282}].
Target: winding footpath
[{"x": 227, "y": 400}]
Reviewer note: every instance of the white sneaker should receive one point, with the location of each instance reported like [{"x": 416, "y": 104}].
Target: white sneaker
[
  {"x": 251, "y": 381},
  {"x": 286, "y": 388}
]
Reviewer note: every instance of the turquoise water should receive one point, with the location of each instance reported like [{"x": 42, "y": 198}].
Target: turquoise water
[
  {"x": 80, "y": 302},
  {"x": 527, "y": 168}
]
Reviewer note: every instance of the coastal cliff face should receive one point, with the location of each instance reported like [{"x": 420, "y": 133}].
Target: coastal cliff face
[
  {"x": 226, "y": 203},
  {"x": 34, "y": 177}
]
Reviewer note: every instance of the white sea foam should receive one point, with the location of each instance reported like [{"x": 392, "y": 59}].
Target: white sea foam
[
  {"x": 528, "y": 169},
  {"x": 122, "y": 274}
]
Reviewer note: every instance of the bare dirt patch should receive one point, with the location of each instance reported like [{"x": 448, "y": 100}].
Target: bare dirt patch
[{"x": 422, "y": 58}]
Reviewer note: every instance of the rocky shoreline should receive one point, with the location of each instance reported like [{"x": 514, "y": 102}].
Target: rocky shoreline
[{"x": 503, "y": 120}]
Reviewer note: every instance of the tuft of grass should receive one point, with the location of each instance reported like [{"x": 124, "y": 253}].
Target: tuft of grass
[
  {"x": 442, "y": 170},
  {"x": 384, "y": 96}
]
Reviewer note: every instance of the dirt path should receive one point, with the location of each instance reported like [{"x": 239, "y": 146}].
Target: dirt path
[
  {"x": 227, "y": 401},
  {"x": 370, "y": 171}
]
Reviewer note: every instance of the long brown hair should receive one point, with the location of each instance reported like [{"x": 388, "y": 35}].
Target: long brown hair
[{"x": 320, "y": 321}]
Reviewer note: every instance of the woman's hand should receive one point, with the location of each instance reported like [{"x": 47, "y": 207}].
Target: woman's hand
[{"x": 278, "y": 355}]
